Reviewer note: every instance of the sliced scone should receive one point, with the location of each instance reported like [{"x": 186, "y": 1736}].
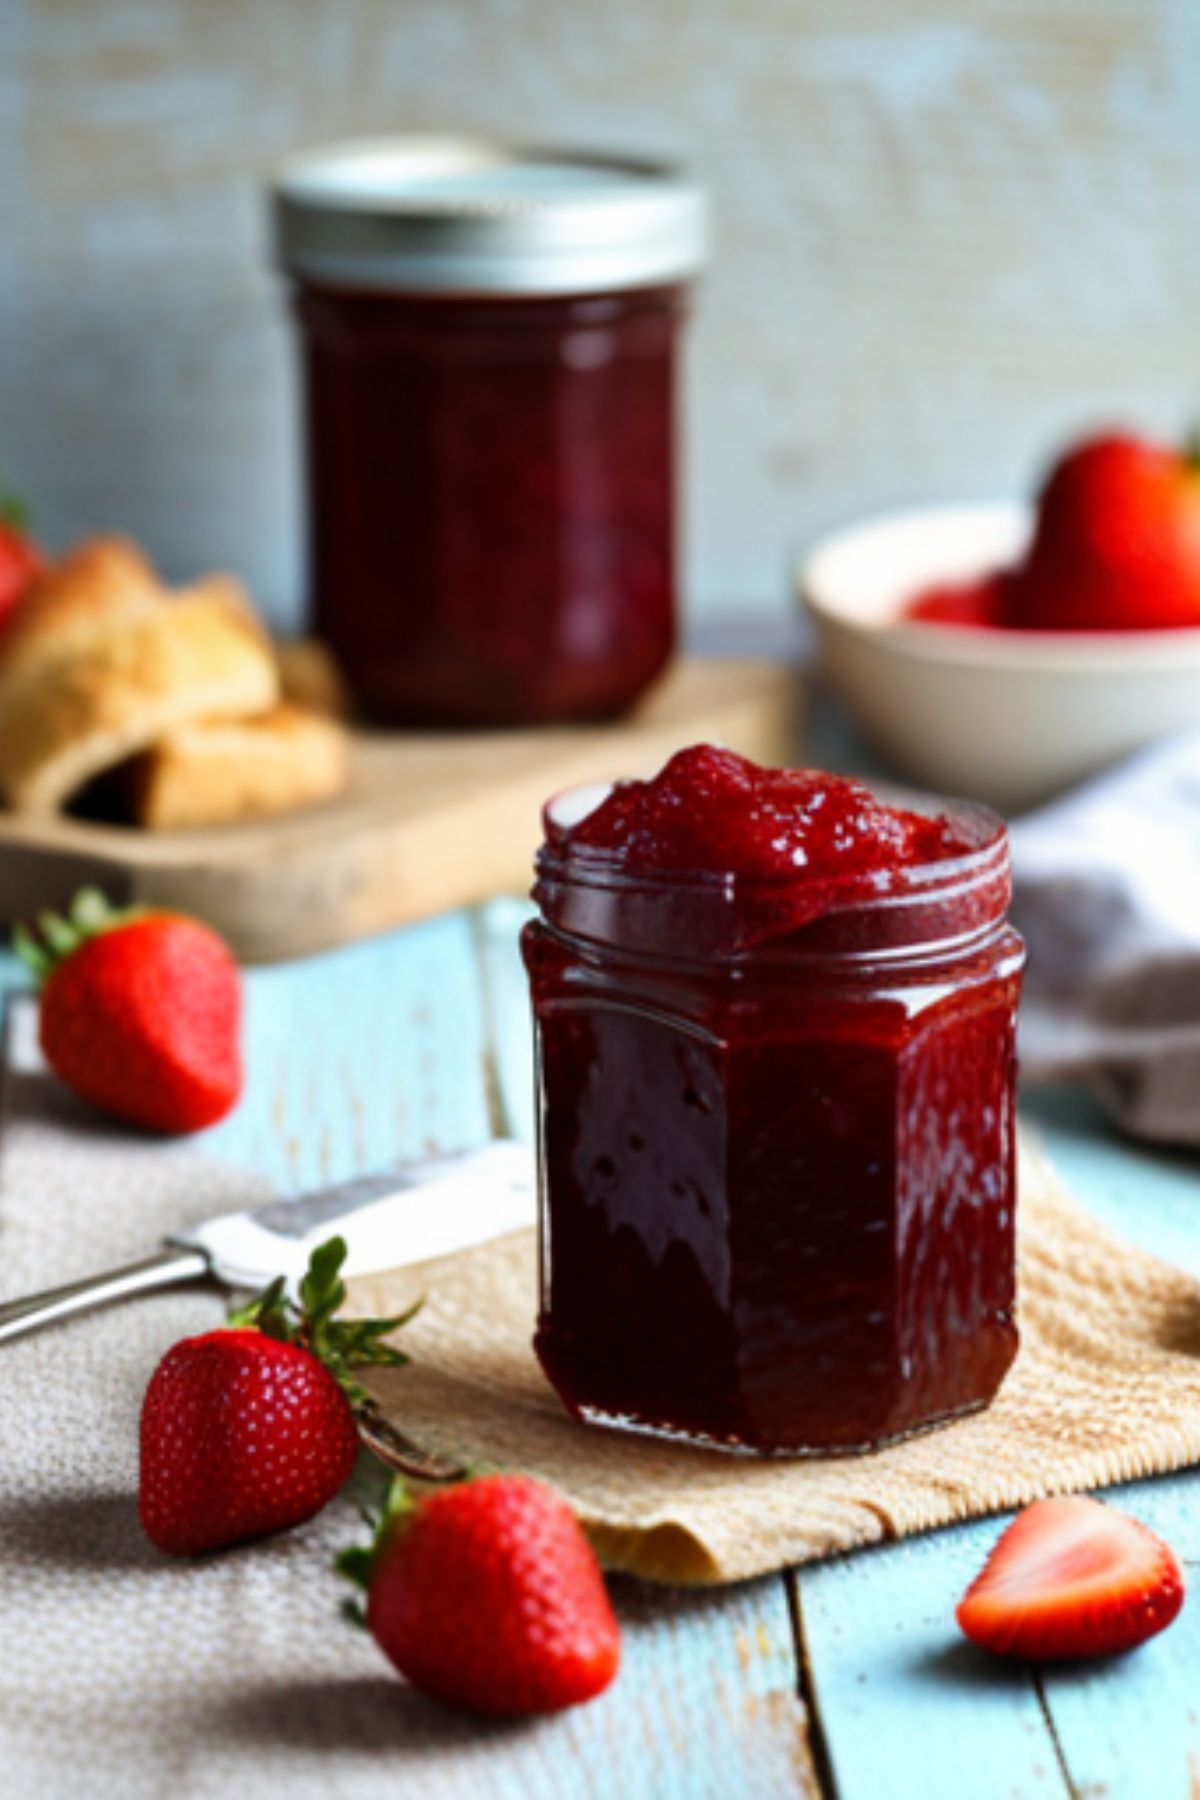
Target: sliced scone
[
  {"x": 212, "y": 772},
  {"x": 66, "y": 716},
  {"x": 75, "y": 603},
  {"x": 310, "y": 676}
]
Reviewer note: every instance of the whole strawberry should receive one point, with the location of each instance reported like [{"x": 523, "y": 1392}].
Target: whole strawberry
[
  {"x": 251, "y": 1429},
  {"x": 487, "y": 1595},
  {"x": 1116, "y": 545},
  {"x": 140, "y": 1013}
]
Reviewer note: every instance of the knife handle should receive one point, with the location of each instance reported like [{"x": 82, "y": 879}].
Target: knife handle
[{"x": 167, "y": 1269}]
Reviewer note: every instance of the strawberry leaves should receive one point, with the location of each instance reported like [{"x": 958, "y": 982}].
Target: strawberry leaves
[
  {"x": 54, "y": 938},
  {"x": 343, "y": 1345},
  {"x": 391, "y": 1500}
]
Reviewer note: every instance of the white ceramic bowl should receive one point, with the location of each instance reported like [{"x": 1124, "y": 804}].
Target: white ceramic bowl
[{"x": 1008, "y": 717}]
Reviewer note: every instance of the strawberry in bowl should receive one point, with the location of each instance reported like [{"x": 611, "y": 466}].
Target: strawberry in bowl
[
  {"x": 1116, "y": 545},
  {"x": 1005, "y": 651}
]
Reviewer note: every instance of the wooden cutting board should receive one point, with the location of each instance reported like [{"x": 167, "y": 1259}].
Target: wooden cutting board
[{"x": 430, "y": 821}]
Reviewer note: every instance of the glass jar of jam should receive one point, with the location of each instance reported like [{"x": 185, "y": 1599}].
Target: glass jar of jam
[
  {"x": 490, "y": 345},
  {"x": 775, "y": 1026}
]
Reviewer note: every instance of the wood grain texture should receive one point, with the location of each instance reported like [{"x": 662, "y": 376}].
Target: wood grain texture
[
  {"x": 947, "y": 232},
  {"x": 384, "y": 1049},
  {"x": 907, "y": 1708},
  {"x": 429, "y": 821},
  {"x": 361, "y": 1058},
  {"x": 1130, "y": 1727}
]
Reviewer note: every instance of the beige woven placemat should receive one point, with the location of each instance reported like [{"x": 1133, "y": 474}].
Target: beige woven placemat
[{"x": 1106, "y": 1388}]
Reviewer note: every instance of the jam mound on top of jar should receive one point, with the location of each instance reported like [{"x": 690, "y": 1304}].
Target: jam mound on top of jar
[
  {"x": 713, "y": 811},
  {"x": 752, "y": 856}
]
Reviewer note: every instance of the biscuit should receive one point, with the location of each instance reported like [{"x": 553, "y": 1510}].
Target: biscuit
[
  {"x": 96, "y": 690},
  {"x": 209, "y": 773}
]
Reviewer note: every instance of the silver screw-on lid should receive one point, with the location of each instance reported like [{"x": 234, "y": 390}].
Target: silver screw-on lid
[{"x": 465, "y": 215}]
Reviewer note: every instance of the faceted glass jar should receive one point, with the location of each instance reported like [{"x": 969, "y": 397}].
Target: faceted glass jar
[
  {"x": 492, "y": 499},
  {"x": 777, "y": 1172}
]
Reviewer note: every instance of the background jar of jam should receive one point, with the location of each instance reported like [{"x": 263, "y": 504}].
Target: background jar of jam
[
  {"x": 489, "y": 348},
  {"x": 777, "y": 1145}
]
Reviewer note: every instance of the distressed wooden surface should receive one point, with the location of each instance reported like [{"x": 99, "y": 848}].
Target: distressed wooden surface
[
  {"x": 947, "y": 231},
  {"x": 421, "y": 1040}
]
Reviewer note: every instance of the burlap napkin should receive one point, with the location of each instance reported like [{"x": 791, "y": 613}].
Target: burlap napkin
[{"x": 1106, "y": 1388}]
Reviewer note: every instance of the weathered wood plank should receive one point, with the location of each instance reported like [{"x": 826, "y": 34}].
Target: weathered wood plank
[
  {"x": 361, "y": 1057},
  {"x": 1131, "y": 1727},
  {"x": 906, "y": 1708}
]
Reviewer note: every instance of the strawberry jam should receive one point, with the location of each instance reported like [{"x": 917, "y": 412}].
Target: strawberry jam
[
  {"x": 493, "y": 500},
  {"x": 775, "y": 1020},
  {"x": 489, "y": 337}
]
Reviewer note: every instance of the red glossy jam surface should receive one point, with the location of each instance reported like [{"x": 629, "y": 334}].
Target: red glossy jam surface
[
  {"x": 715, "y": 812},
  {"x": 778, "y": 1198},
  {"x": 717, "y": 856},
  {"x": 492, "y": 499}
]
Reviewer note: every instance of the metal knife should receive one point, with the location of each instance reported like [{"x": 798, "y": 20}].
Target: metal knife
[{"x": 389, "y": 1220}]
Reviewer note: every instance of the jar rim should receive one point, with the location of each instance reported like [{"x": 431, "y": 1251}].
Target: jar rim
[
  {"x": 603, "y": 866},
  {"x": 461, "y": 214},
  {"x": 900, "y": 911}
]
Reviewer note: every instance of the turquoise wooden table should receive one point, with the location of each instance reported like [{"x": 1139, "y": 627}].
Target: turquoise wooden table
[{"x": 848, "y": 1678}]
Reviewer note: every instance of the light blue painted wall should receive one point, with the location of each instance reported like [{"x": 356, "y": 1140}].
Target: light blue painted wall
[{"x": 949, "y": 231}]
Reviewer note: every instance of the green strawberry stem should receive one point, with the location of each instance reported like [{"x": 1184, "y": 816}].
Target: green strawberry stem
[
  {"x": 53, "y": 938},
  {"x": 390, "y": 1447},
  {"x": 356, "y": 1564},
  {"x": 384, "y": 1497},
  {"x": 343, "y": 1345}
]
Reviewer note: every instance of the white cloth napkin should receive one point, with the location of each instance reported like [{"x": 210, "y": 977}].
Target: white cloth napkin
[{"x": 1108, "y": 901}]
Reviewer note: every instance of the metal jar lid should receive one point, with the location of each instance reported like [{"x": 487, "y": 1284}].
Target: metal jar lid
[{"x": 462, "y": 215}]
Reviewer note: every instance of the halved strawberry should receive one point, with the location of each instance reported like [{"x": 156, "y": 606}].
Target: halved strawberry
[{"x": 1070, "y": 1578}]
